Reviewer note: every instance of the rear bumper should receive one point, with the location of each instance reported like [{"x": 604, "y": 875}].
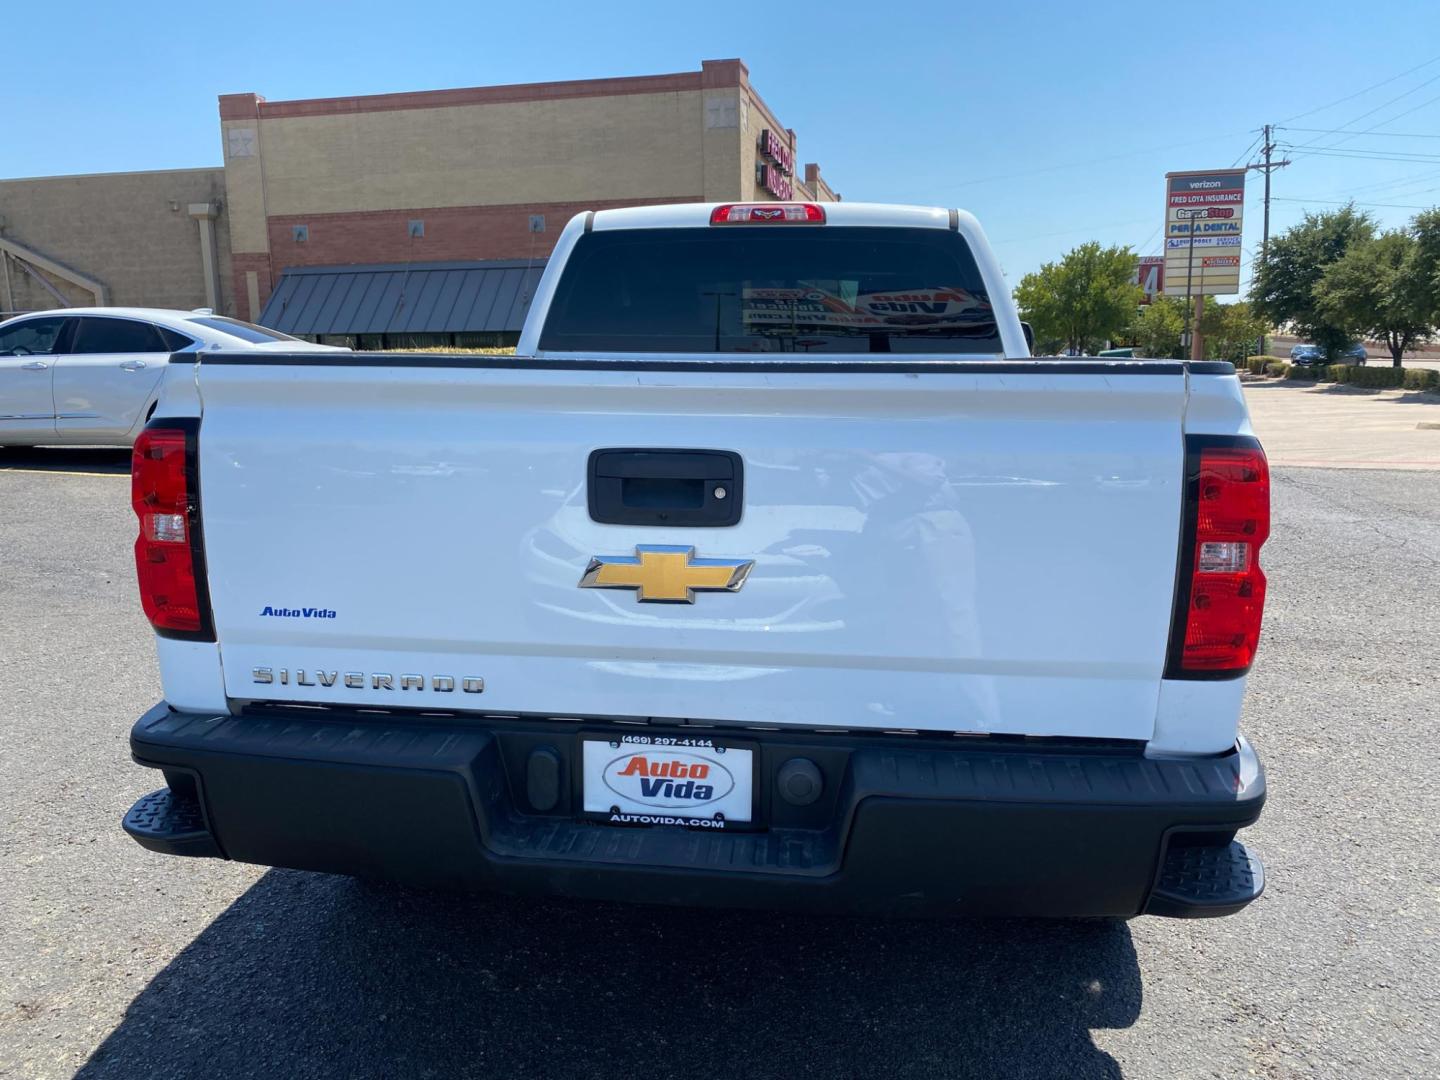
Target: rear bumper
[{"x": 903, "y": 825}]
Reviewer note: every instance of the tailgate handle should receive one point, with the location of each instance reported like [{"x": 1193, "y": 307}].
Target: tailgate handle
[{"x": 665, "y": 487}]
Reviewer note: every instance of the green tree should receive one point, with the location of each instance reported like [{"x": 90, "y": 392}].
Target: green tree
[
  {"x": 1231, "y": 331},
  {"x": 1427, "y": 260},
  {"x": 1082, "y": 301},
  {"x": 1380, "y": 288},
  {"x": 1157, "y": 329},
  {"x": 1284, "y": 287}
]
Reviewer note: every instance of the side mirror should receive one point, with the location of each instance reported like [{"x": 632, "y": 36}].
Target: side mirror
[{"x": 1029, "y": 336}]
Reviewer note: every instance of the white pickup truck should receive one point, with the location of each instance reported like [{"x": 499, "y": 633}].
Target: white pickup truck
[{"x": 772, "y": 571}]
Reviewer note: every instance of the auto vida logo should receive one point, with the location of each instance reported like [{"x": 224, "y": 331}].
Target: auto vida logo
[{"x": 677, "y": 781}]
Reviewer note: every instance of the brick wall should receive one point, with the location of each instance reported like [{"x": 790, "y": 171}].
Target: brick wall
[
  {"x": 244, "y": 264},
  {"x": 451, "y": 232}
]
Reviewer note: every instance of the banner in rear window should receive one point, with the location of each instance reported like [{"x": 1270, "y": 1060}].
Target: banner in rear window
[{"x": 839, "y": 304}]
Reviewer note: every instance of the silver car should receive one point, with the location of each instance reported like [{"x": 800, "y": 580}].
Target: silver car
[{"x": 91, "y": 375}]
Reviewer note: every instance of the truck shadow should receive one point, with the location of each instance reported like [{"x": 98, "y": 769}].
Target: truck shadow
[{"x": 307, "y": 975}]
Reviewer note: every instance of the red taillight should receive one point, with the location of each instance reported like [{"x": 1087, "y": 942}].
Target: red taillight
[
  {"x": 768, "y": 214},
  {"x": 164, "y": 553},
  {"x": 1230, "y": 510}
]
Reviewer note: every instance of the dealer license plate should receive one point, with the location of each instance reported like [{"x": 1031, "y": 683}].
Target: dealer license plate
[{"x": 667, "y": 780}]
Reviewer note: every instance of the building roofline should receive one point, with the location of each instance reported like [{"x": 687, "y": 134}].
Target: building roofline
[
  {"x": 536, "y": 263},
  {"x": 110, "y": 175},
  {"x": 712, "y": 74}
]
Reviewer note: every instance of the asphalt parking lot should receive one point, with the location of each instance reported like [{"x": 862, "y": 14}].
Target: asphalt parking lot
[{"x": 118, "y": 963}]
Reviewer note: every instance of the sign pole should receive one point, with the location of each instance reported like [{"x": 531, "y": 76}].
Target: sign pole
[
  {"x": 1197, "y": 339},
  {"x": 1188, "y": 340}
]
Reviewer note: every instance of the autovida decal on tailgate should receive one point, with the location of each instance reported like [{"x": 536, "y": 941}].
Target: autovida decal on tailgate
[{"x": 642, "y": 783}]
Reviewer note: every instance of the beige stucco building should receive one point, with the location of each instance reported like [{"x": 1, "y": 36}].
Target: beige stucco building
[
  {"x": 433, "y": 177},
  {"x": 146, "y": 239}
]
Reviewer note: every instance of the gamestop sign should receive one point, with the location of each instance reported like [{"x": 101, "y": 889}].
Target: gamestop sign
[{"x": 645, "y": 781}]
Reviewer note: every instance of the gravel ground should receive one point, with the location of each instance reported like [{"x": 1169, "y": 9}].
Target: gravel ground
[{"x": 118, "y": 963}]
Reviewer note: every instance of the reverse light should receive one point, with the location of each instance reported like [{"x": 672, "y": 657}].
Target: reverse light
[
  {"x": 1229, "y": 557},
  {"x": 1221, "y": 597},
  {"x": 167, "y": 549},
  {"x": 768, "y": 214}
]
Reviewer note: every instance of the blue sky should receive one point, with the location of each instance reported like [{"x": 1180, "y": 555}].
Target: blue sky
[{"x": 1052, "y": 122}]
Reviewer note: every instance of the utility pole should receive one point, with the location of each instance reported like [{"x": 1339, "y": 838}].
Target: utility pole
[{"x": 1267, "y": 167}]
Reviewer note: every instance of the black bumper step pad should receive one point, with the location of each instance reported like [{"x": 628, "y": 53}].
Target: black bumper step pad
[
  {"x": 171, "y": 824},
  {"x": 1205, "y": 882}
]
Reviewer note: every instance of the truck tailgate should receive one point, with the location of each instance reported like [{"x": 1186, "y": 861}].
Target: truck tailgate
[{"x": 973, "y": 548}]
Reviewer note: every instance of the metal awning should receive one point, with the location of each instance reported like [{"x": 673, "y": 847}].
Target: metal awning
[{"x": 403, "y": 298}]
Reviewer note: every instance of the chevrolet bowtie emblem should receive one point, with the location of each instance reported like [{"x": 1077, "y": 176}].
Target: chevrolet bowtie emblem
[{"x": 662, "y": 573}]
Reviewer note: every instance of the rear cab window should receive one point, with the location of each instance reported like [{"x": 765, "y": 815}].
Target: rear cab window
[{"x": 756, "y": 289}]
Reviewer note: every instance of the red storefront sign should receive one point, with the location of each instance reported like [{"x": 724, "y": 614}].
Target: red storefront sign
[
  {"x": 770, "y": 178},
  {"x": 777, "y": 150},
  {"x": 1150, "y": 276}
]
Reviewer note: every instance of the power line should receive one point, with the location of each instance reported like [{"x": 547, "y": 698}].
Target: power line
[
  {"x": 1398, "y": 116},
  {"x": 1140, "y": 250},
  {"x": 1404, "y": 186},
  {"x": 1381, "y": 185},
  {"x": 1352, "y": 202},
  {"x": 1246, "y": 152},
  {"x": 1370, "y": 155},
  {"x": 1377, "y": 134},
  {"x": 1392, "y": 119},
  {"x": 1360, "y": 93},
  {"x": 1392, "y": 101}
]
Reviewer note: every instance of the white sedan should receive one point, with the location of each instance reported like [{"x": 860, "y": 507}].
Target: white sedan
[{"x": 91, "y": 375}]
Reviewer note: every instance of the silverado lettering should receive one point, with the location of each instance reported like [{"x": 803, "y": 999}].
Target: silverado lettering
[{"x": 358, "y": 680}]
